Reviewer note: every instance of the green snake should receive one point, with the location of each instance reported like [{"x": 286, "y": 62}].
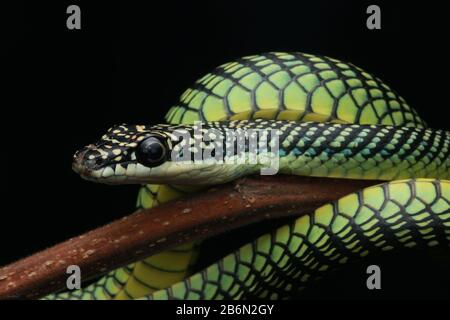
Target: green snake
[{"x": 332, "y": 119}]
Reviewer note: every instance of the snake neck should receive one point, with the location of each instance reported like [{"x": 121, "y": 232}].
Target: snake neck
[{"x": 372, "y": 152}]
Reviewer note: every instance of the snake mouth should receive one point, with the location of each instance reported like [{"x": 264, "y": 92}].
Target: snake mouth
[
  {"x": 114, "y": 174},
  {"x": 91, "y": 169},
  {"x": 132, "y": 173},
  {"x": 92, "y": 164}
]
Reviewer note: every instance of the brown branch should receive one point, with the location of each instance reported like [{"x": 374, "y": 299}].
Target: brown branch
[{"x": 150, "y": 231}]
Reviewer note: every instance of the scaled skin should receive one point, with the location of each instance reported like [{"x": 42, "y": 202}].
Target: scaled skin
[{"x": 284, "y": 86}]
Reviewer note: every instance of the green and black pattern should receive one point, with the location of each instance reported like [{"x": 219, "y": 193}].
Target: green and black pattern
[
  {"x": 293, "y": 86},
  {"x": 335, "y": 119},
  {"x": 399, "y": 214}
]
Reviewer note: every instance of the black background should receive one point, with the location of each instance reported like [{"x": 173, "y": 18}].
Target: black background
[{"x": 130, "y": 63}]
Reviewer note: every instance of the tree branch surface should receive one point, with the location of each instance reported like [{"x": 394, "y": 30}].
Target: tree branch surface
[{"x": 150, "y": 231}]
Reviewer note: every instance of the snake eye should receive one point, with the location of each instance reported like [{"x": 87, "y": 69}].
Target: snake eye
[{"x": 151, "y": 152}]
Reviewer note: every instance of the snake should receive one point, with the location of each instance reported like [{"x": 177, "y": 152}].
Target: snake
[{"x": 329, "y": 118}]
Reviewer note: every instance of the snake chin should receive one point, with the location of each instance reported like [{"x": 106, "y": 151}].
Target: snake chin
[{"x": 180, "y": 173}]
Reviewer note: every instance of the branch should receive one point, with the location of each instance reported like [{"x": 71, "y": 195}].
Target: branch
[{"x": 147, "y": 232}]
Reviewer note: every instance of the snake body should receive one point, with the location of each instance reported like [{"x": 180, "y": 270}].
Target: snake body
[{"x": 333, "y": 120}]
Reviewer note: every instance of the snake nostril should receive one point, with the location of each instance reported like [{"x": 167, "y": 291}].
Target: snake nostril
[
  {"x": 93, "y": 162},
  {"x": 88, "y": 158},
  {"x": 90, "y": 163}
]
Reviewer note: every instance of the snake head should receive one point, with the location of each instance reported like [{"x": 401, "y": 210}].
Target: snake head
[
  {"x": 124, "y": 154},
  {"x": 138, "y": 154}
]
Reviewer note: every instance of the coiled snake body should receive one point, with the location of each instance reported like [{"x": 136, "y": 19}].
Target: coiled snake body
[{"x": 333, "y": 120}]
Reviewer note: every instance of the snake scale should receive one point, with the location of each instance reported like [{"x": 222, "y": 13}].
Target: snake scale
[{"x": 333, "y": 120}]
